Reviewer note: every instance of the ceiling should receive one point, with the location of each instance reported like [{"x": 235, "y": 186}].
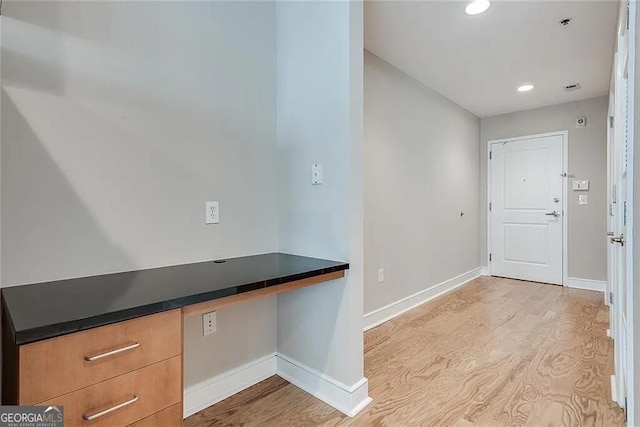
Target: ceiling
[{"x": 479, "y": 61}]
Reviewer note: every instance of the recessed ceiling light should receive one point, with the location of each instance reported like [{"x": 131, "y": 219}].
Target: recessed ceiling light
[
  {"x": 477, "y": 6},
  {"x": 525, "y": 88}
]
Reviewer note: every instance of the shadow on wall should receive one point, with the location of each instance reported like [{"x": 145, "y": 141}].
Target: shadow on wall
[
  {"x": 44, "y": 220},
  {"x": 120, "y": 120},
  {"x": 293, "y": 309},
  {"x": 122, "y": 130},
  {"x": 48, "y": 16}
]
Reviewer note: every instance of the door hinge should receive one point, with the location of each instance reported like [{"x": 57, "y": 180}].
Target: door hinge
[
  {"x": 624, "y": 217},
  {"x": 626, "y": 409},
  {"x": 611, "y": 298},
  {"x": 490, "y": 206},
  {"x": 490, "y": 257},
  {"x": 611, "y": 121},
  {"x": 490, "y": 155}
]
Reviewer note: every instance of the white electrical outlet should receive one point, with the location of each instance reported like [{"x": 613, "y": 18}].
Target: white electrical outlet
[
  {"x": 380, "y": 275},
  {"x": 582, "y": 199},
  {"x": 212, "y": 212},
  {"x": 209, "y": 323}
]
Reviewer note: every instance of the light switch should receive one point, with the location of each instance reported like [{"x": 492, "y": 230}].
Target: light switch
[
  {"x": 582, "y": 199},
  {"x": 580, "y": 185},
  {"x": 316, "y": 174}
]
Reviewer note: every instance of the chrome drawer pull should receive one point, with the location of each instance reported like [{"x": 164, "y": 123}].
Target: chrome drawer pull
[
  {"x": 112, "y": 352},
  {"x": 108, "y": 411}
]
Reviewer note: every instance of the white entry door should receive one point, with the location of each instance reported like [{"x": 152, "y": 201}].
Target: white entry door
[
  {"x": 526, "y": 214},
  {"x": 621, "y": 227},
  {"x": 617, "y": 233}
]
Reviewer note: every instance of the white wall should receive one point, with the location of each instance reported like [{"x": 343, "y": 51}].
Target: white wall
[
  {"x": 421, "y": 170},
  {"x": 119, "y": 120},
  {"x": 319, "y": 53},
  {"x": 587, "y": 224},
  {"x": 634, "y": 405}
]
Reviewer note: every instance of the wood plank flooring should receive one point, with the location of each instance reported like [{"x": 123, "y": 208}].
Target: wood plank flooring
[{"x": 496, "y": 352}]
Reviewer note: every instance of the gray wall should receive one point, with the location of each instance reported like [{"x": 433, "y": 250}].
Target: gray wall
[
  {"x": 319, "y": 52},
  {"x": 587, "y": 250},
  {"x": 119, "y": 120},
  {"x": 422, "y": 158}
]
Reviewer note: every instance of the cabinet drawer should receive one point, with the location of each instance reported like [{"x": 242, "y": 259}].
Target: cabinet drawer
[
  {"x": 170, "y": 417},
  {"x": 64, "y": 364},
  {"x": 126, "y": 399}
]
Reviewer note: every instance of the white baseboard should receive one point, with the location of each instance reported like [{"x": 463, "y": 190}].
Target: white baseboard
[
  {"x": 212, "y": 391},
  {"x": 395, "y": 309},
  {"x": 614, "y": 389},
  {"x": 347, "y": 399},
  {"x": 484, "y": 271},
  {"x": 591, "y": 285}
]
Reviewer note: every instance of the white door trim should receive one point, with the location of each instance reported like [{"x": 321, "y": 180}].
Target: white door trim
[
  {"x": 633, "y": 409},
  {"x": 565, "y": 192}
]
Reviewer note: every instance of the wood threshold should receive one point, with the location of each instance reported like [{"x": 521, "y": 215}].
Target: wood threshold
[{"x": 208, "y": 306}]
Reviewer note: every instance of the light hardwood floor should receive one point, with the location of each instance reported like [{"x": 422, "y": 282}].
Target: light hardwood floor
[{"x": 496, "y": 352}]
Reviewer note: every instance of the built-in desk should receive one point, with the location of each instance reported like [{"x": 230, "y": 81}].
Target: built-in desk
[{"x": 109, "y": 348}]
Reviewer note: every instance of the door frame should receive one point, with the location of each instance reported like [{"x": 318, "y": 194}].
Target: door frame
[
  {"x": 610, "y": 196},
  {"x": 565, "y": 192},
  {"x": 628, "y": 388},
  {"x": 633, "y": 302}
]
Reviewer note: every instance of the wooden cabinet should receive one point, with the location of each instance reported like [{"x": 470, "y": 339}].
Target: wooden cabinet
[
  {"x": 57, "y": 366},
  {"x": 165, "y": 418},
  {"x": 135, "y": 395},
  {"x": 126, "y": 373}
]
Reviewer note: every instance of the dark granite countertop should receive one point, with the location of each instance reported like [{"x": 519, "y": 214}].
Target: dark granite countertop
[{"x": 46, "y": 310}]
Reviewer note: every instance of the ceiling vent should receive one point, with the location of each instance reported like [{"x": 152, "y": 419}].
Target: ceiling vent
[{"x": 572, "y": 87}]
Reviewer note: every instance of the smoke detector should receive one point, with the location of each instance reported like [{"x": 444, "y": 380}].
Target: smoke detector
[
  {"x": 566, "y": 21},
  {"x": 572, "y": 87}
]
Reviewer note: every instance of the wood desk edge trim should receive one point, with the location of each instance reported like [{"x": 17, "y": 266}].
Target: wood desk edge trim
[{"x": 216, "y": 304}]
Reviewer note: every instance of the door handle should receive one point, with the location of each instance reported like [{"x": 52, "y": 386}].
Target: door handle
[
  {"x": 554, "y": 213},
  {"x": 619, "y": 240}
]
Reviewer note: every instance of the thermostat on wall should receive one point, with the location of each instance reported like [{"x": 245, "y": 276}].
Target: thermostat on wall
[
  {"x": 581, "y": 122},
  {"x": 580, "y": 185}
]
